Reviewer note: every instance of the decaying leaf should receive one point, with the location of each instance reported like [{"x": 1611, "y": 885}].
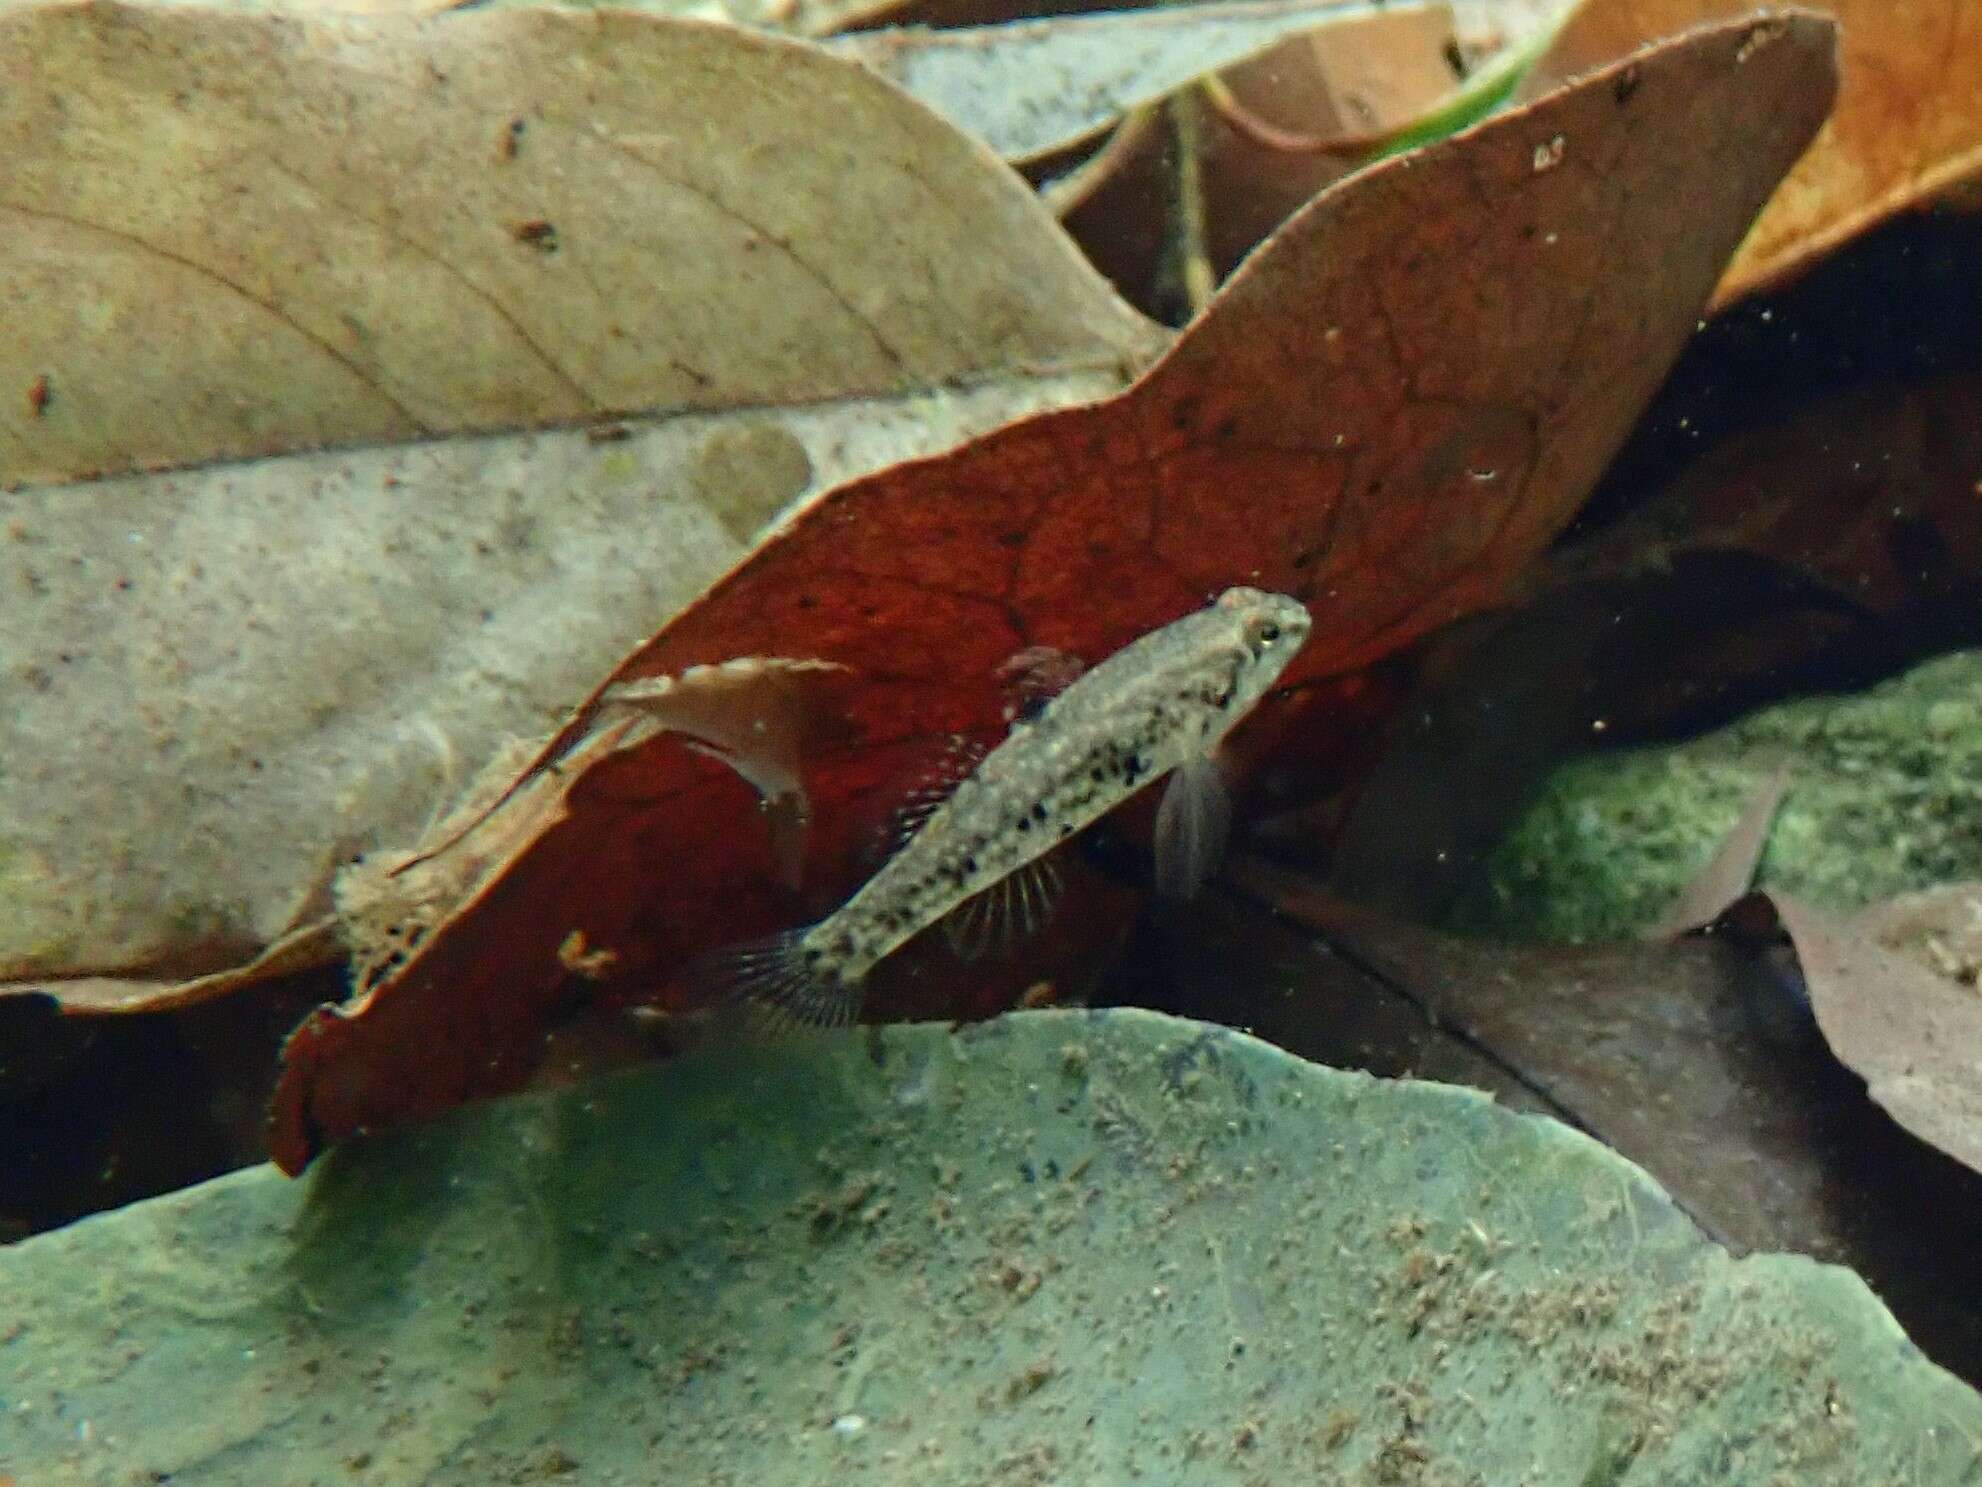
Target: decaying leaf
[
  {"x": 756, "y": 714},
  {"x": 414, "y": 159},
  {"x": 1871, "y": 493},
  {"x": 1812, "y": 552},
  {"x": 1398, "y": 401},
  {"x": 1939, "y": 930},
  {"x": 1310, "y": 111},
  {"x": 219, "y": 673},
  {"x": 312, "y": 944},
  {"x": 387, "y": 901},
  {"x": 753, "y": 714},
  {"x": 1390, "y": 467},
  {"x": 1729, "y": 873},
  {"x": 1908, "y": 124},
  {"x": 814, "y": 18},
  {"x": 1895, "y": 993},
  {"x": 1030, "y": 88}
]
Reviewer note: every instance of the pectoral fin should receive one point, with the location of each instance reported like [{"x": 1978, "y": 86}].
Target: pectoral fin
[{"x": 1191, "y": 826}]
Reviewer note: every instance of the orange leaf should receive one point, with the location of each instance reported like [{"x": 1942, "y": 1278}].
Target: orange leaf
[
  {"x": 1389, "y": 411},
  {"x": 1908, "y": 123}
]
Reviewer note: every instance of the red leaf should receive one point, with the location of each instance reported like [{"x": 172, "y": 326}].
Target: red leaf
[{"x": 1389, "y": 411}]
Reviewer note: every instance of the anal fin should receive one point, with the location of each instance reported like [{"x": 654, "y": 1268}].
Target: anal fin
[{"x": 1010, "y": 909}]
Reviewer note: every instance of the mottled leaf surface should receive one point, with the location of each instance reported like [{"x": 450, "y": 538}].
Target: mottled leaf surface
[
  {"x": 1693, "y": 1058},
  {"x": 1063, "y": 1247}
]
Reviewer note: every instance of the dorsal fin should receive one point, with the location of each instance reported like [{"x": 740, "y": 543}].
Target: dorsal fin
[
  {"x": 1033, "y": 677},
  {"x": 960, "y": 757},
  {"x": 1029, "y": 679}
]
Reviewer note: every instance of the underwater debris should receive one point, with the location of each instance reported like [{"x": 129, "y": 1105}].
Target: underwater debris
[{"x": 752, "y": 714}]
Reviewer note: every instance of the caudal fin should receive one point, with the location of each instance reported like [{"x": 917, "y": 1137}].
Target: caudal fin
[{"x": 782, "y": 978}]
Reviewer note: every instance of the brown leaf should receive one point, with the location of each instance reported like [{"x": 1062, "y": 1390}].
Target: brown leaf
[
  {"x": 1819, "y": 550},
  {"x": 388, "y": 901},
  {"x": 1871, "y": 493},
  {"x": 1728, "y": 874},
  {"x": 1313, "y": 109},
  {"x": 1399, "y": 400},
  {"x": 1908, "y": 124},
  {"x": 1328, "y": 101},
  {"x": 752, "y": 714},
  {"x": 1909, "y": 1023}
]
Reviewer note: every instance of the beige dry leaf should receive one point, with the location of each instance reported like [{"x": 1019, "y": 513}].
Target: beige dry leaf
[
  {"x": 1032, "y": 87},
  {"x": 813, "y": 18},
  {"x": 643, "y": 335},
  {"x": 1895, "y": 993},
  {"x": 482, "y": 221}
]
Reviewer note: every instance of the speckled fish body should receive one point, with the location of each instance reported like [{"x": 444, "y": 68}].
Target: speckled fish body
[{"x": 1160, "y": 704}]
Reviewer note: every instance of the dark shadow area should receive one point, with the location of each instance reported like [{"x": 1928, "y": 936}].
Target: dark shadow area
[
  {"x": 99, "y": 1112},
  {"x": 1902, "y": 304}
]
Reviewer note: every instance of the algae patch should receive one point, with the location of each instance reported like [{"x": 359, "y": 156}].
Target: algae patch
[{"x": 1885, "y": 797}]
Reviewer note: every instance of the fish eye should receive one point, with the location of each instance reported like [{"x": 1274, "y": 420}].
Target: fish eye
[{"x": 1262, "y": 633}]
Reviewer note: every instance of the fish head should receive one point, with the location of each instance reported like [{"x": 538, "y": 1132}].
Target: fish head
[{"x": 1261, "y": 633}]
